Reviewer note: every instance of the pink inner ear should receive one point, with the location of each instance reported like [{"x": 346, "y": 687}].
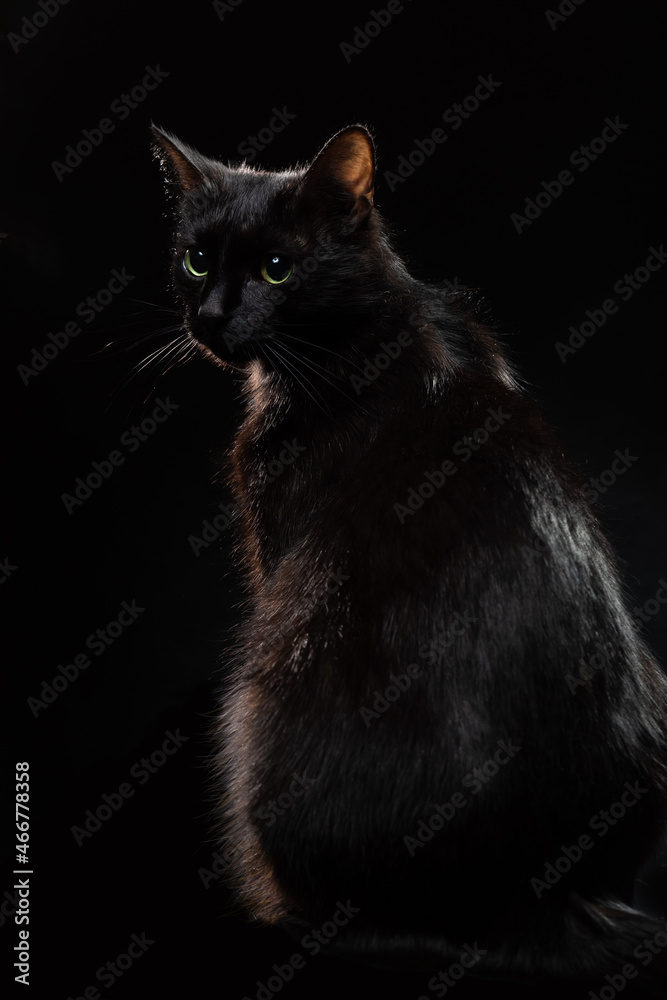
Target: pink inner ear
[
  {"x": 355, "y": 171},
  {"x": 357, "y": 176},
  {"x": 347, "y": 161}
]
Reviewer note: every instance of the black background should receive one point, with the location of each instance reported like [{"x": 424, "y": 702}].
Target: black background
[{"x": 142, "y": 870}]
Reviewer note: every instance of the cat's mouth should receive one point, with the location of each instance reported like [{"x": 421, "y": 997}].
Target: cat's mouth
[{"x": 230, "y": 343}]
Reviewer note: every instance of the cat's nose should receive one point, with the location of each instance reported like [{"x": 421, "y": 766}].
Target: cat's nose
[{"x": 212, "y": 309}]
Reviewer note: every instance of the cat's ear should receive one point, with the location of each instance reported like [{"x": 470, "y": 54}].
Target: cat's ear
[
  {"x": 182, "y": 165},
  {"x": 344, "y": 171}
]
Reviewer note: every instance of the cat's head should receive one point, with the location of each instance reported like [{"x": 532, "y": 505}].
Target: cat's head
[{"x": 264, "y": 260}]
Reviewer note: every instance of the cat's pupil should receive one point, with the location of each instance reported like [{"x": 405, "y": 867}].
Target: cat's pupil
[
  {"x": 196, "y": 262},
  {"x": 276, "y": 268}
]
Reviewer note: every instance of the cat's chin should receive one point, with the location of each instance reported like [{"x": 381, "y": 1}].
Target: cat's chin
[
  {"x": 227, "y": 349},
  {"x": 207, "y": 351}
]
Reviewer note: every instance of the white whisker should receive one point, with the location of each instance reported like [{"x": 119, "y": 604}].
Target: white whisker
[
  {"x": 292, "y": 369},
  {"x": 321, "y": 347}
]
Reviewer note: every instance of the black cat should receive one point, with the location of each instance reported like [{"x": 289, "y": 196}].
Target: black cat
[{"x": 441, "y": 717}]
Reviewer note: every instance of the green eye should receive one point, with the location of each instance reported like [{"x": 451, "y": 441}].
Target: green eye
[
  {"x": 276, "y": 268},
  {"x": 196, "y": 263}
]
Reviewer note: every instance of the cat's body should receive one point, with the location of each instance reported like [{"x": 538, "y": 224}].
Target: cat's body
[{"x": 417, "y": 723}]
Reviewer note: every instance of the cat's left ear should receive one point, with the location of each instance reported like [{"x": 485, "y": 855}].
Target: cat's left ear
[
  {"x": 344, "y": 171},
  {"x": 183, "y": 165}
]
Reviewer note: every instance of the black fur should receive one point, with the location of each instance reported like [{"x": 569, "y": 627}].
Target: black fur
[{"x": 499, "y": 586}]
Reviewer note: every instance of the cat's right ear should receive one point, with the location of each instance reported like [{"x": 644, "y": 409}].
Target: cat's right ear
[
  {"x": 342, "y": 174},
  {"x": 182, "y": 165}
]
